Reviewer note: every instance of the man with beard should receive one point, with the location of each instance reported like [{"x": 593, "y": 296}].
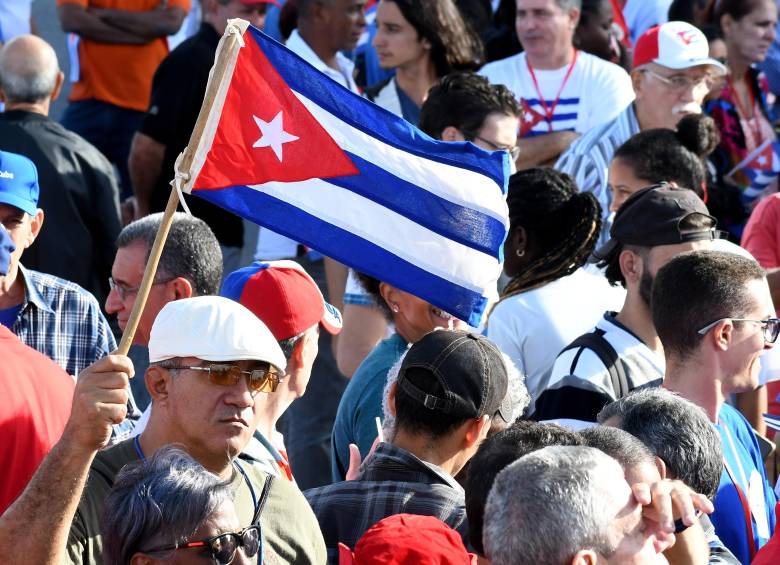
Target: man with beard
[{"x": 623, "y": 352}]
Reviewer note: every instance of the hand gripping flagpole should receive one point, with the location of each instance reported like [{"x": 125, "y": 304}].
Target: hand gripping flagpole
[{"x": 223, "y": 64}]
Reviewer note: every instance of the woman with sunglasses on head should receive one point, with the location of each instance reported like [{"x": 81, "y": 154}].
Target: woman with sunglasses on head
[
  {"x": 171, "y": 510},
  {"x": 741, "y": 111},
  {"x": 422, "y": 40}
]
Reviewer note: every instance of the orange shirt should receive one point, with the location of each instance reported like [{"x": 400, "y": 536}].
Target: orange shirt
[{"x": 115, "y": 73}]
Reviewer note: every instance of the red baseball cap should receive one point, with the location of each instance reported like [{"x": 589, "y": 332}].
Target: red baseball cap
[
  {"x": 408, "y": 539},
  {"x": 675, "y": 45},
  {"x": 283, "y": 296}
]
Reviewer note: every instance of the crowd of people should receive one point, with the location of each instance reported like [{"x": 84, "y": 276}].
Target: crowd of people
[{"x": 614, "y": 406}]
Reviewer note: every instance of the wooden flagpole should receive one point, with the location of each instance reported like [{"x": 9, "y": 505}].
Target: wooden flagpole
[{"x": 184, "y": 164}]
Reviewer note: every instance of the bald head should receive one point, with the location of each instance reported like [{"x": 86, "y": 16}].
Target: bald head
[{"x": 29, "y": 71}]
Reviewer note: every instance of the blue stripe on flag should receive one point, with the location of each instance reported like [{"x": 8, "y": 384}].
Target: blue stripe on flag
[
  {"x": 378, "y": 122},
  {"x": 453, "y": 221},
  {"x": 349, "y": 248}
]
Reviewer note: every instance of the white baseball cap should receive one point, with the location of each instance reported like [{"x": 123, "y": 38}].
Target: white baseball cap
[
  {"x": 675, "y": 45},
  {"x": 212, "y": 328}
]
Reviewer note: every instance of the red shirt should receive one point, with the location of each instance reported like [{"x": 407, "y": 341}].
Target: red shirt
[{"x": 35, "y": 400}]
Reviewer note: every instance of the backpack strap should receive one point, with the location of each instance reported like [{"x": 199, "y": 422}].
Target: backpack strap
[{"x": 596, "y": 342}]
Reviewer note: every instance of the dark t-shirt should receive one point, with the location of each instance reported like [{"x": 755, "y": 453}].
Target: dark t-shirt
[
  {"x": 290, "y": 531},
  {"x": 178, "y": 89},
  {"x": 79, "y": 197}
]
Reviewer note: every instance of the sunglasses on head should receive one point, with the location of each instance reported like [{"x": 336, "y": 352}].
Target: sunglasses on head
[
  {"x": 223, "y": 547},
  {"x": 221, "y": 374}
]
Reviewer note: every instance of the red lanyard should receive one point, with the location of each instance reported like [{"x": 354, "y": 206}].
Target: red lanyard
[
  {"x": 754, "y": 124},
  {"x": 549, "y": 111},
  {"x": 745, "y": 509}
]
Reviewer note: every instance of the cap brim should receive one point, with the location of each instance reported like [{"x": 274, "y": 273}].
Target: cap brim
[
  {"x": 689, "y": 63},
  {"x": 604, "y": 252},
  {"x": 24, "y": 205},
  {"x": 331, "y": 319}
]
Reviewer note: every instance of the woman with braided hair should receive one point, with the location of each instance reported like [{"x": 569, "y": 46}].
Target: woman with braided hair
[{"x": 549, "y": 300}]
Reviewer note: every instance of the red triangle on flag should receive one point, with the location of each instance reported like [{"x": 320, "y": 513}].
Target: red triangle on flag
[
  {"x": 529, "y": 118},
  {"x": 763, "y": 160},
  {"x": 266, "y": 134}
]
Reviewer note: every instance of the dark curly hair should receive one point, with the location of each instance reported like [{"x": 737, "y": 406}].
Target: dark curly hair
[
  {"x": 561, "y": 221},
  {"x": 664, "y": 155},
  {"x": 464, "y": 100}
]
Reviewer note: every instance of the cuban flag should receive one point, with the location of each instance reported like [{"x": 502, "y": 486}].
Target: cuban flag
[
  {"x": 759, "y": 169},
  {"x": 288, "y": 148}
]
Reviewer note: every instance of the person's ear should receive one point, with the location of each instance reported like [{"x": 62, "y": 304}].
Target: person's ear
[
  {"x": 391, "y": 398},
  {"x": 638, "y": 82},
  {"x": 631, "y": 266},
  {"x": 55, "y": 93},
  {"x": 158, "y": 383},
  {"x": 181, "y": 288},
  {"x": 519, "y": 240},
  {"x": 426, "y": 44},
  {"x": 476, "y": 430},
  {"x": 585, "y": 557},
  {"x": 141, "y": 559},
  {"x": 726, "y": 23},
  {"x": 661, "y": 466},
  {"x": 451, "y": 133},
  {"x": 390, "y": 295},
  {"x": 722, "y": 334},
  {"x": 574, "y": 18},
  {"x": 36, "y": 223}
]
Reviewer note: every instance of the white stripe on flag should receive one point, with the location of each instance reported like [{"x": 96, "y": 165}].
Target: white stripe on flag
[
  {"x": 464, "y": 266},
  {"x": 461, "y": 186}
]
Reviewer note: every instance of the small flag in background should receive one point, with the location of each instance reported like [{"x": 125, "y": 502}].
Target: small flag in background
[
  {"x": 758, "y": 170},
  {"x": 288, "y": 148}
]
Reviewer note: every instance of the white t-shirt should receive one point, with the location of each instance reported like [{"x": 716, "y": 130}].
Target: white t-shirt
[
  {"x": 641, "y": 15},
  {"x": 532, "y": 327},
  {"x": 595, "y": 93},
  {"x": 14, "y": 18}
]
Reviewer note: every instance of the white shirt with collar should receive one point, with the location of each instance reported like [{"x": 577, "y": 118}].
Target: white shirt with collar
[
  {"x": 343, "y": 76},
  {"x": 271, "y": 245}
]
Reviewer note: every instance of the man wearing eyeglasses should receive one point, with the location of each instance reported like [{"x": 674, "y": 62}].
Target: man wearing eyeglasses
[
  {"x": 672, "y": 73},
  {"x": 213, "y": 365},
  {"x": 714, "y": 315}
]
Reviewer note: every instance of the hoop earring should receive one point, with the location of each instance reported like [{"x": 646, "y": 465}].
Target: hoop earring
[{"x": 519, "y": 252}]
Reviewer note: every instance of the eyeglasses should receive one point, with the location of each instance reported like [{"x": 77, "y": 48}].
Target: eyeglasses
[
  {"x": 771, "y": 327},
  {"x": 258, "y": 380},
  {"x": 125, "y": 291},
  {"x": 679, "y": 83},
  {"x": 513, "y": 151},
  {"x": 224, "y": 546}
]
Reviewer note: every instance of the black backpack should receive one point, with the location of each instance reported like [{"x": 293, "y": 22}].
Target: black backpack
[{"x": 596, "y": 342}]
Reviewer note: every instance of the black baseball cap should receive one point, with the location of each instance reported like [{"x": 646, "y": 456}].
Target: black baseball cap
[
  {"x": 653, "y": 216},
  {"x": 469, "y": 368}
]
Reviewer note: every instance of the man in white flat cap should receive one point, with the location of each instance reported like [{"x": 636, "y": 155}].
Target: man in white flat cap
[{"x": 212, "y": 364}]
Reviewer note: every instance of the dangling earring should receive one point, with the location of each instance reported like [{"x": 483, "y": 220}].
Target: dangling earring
[{"x": 519, "y": 252}]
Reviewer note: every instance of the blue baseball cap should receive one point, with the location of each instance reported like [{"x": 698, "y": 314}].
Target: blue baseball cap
[{"x": 19, "y": 182}]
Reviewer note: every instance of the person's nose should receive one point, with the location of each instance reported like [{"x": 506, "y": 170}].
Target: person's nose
[{"x": 114, "y": 303}]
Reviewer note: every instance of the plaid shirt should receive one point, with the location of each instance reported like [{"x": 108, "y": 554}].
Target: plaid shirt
[
  {"x": 64, "y": 322},
  {"x": 393, "y": 482}
]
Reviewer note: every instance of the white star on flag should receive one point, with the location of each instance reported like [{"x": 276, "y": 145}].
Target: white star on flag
[
  {"x": 273, "y": 135},
  {"x": 762, "y": 160}
]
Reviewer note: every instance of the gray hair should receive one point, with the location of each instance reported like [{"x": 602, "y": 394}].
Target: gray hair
[
  {"x": 28, "y": 69},
  {"x": 567, "y": 5},
  {"x": 620, "y": 445},
  {"x": 191, "y": 250},
  {"x": 675, "y": 430},
  {"x": 549, "y": 504},
  {"x": 159, "y": 503}
]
